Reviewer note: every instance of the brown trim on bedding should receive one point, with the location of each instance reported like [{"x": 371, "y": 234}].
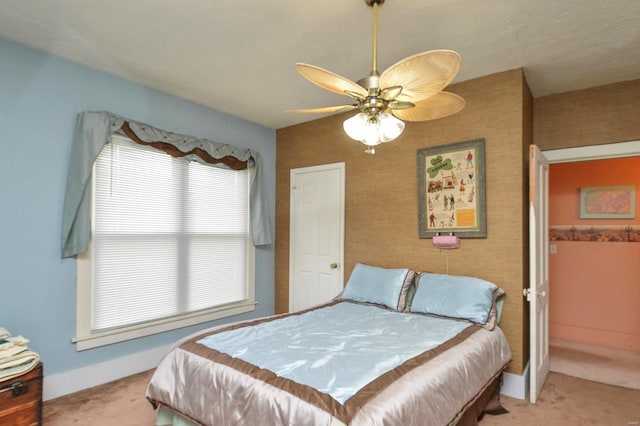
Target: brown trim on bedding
[
  {"x": 258, "y": 321},
  {"x": 306, "y": 393},
  {"x": 486, "y": 401},
  {"x": 372, "y": 389}
]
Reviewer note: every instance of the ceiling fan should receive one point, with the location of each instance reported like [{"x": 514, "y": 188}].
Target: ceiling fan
[{"x": 410, "y": 90}]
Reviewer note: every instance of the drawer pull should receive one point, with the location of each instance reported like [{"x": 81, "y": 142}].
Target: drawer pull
[{"x": 17, "y": 388}]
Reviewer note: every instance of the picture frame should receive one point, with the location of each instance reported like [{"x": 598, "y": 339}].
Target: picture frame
[
  {"x": 451, "y": 190},
  {"x": 608, "y": 202}
]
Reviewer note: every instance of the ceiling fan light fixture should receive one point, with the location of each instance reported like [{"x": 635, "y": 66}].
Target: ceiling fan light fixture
[
  {"x": 355, "y": 126},
  {"x": 371, "y": 133},
  {"x": 389, "y": 127},
  {"x": 373, "y": 130}
]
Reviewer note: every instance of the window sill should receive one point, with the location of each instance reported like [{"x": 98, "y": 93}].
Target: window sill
[{"x": 109, "y": 337}]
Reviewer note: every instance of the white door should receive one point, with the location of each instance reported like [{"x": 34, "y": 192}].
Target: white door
[
  {"x": 538, "y": 293},
  {"x": 316, "y": 235}
]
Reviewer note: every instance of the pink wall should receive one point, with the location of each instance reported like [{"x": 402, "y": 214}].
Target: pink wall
[{"x": 594, "y": 286}]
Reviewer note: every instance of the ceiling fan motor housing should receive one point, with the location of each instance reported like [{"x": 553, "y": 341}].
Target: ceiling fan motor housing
[
  {"x": 372, "y": 103},
  {"x": 370, "y": 82}
]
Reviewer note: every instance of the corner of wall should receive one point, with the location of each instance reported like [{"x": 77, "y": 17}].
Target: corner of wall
[{"x": 514, "y": 385}]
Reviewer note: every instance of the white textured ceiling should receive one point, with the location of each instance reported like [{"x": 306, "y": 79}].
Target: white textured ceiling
[{"x": 237, "y": 56}]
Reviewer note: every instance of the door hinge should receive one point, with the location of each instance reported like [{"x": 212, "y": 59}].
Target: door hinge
[{"x": 527, "y": 293}]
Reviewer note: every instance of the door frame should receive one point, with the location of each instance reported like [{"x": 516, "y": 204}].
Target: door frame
[
  {"x": 310, "y": 169},
  {"x": 588, "y": 153},
  {"x": 593, "y": 152}
]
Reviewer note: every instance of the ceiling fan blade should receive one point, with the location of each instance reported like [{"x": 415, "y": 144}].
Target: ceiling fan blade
[
  {"x": 330, "y": 81},
  {"x": 422, "y": 75},
  {"x": 439, "y": 105},
  {"x": 400, "y": 105},
  {"x": 355, "y": 96},
  {"x": 338, "y": 108}
]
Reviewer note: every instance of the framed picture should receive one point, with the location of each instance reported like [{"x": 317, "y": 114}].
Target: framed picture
[
  {"x": 608, "y": 202},
  {"x": 451, "y": 190}
]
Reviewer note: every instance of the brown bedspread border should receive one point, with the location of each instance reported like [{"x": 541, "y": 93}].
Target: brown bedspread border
[
  {"x": 344, "y": 412},
  {"x": 487, "y": 401}
]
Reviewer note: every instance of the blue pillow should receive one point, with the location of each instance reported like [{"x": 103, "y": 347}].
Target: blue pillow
[
  {"x": 453, "y": 296},
  {"x": 373, "y": 284}
]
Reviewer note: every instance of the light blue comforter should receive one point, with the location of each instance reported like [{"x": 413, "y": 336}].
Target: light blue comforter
[{"x": 336, "y": 349}]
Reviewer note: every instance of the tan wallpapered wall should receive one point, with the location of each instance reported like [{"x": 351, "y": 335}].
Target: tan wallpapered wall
[
  {"x": 381, "y": 223},
  {"x": 600, "y": 115}
]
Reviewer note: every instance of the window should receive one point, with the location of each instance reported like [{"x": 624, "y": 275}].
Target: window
[{"x": 170, "y": 245}]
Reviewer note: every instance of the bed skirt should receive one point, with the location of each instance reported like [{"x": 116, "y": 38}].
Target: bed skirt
[
  {"x": 487, "y": 402},
  {"x": 168, "y": 417}
]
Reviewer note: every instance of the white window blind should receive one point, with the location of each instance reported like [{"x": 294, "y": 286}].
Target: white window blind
[{"x": 169, "y": 236}]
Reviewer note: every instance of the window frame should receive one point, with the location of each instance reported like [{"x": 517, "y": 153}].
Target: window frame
[{"x": 85, "y": 338}]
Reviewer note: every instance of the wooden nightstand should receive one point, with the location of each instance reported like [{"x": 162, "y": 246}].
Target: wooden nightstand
[{"x": 21, "y": 399}]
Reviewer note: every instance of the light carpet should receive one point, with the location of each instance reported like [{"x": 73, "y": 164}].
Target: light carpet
[
  {"x": 596, "y": 363},
  {"x": 564, "y": 400}
]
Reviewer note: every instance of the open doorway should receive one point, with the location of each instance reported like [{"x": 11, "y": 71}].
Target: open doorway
[{"x": 594, "y": 295}]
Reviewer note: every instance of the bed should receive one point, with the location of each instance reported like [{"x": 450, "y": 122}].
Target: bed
[{"x": 394, "y": 348}]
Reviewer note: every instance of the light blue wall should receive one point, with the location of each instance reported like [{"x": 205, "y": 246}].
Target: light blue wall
[{"x": 40, "y": 96}]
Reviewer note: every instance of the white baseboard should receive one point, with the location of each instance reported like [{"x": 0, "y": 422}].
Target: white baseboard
[
  {"x": 56, "y": 385},
  {"x": 61, "y": 384},
  {"x": 514, "y": 385}
]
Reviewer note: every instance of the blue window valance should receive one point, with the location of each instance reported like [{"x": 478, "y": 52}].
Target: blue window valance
[{"x": 93, "y": 131}]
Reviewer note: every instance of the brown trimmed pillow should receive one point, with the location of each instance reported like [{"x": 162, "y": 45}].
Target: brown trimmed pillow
[
  {"x": 377, "y": 285},
  {"x": 496, "y": 309},
  {"x": 467, "y": 298}
]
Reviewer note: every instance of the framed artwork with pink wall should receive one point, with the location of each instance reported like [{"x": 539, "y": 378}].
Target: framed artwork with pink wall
[{"x": 608, "y": 202}]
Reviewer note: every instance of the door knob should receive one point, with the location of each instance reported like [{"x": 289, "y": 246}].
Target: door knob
[{"x": 334, "y": 266}]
